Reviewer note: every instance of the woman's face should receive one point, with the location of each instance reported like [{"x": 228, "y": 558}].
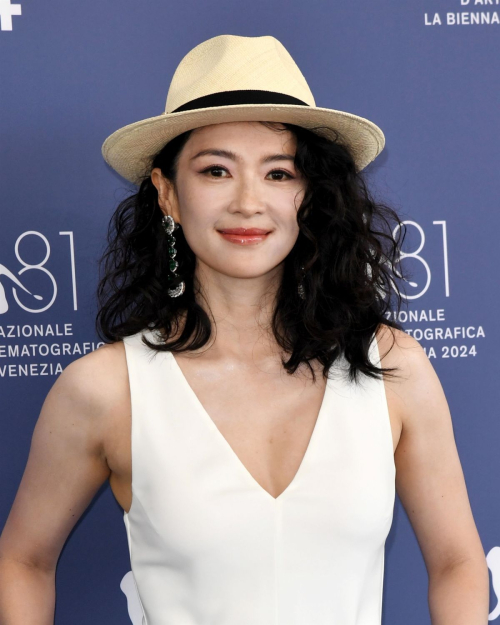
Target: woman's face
[{"x": 253, "y": 184}]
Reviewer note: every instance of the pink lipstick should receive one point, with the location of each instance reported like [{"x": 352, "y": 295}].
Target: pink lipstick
[{"x": 244, "y": 236}]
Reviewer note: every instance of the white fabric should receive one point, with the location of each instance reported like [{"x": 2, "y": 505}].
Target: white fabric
[{"x": 209, "y": 546}]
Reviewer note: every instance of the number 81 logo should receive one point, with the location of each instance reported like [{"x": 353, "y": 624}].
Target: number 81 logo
[
  {"x": 40, "y": 266},
  {"x": 416, "y": 256}
]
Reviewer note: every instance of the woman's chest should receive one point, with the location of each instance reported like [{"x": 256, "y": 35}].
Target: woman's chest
[{"x": 263, "y": 425}]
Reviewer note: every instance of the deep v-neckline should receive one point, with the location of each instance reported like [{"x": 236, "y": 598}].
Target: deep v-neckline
[{"x": 239, "y": 463}]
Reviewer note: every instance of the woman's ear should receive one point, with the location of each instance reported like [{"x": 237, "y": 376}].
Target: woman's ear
[{"x": 167, "y": 198}]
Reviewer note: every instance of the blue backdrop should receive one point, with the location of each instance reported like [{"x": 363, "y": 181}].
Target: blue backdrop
[{"x": 425, "y": 72}]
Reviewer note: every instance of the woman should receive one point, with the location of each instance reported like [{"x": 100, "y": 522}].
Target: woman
[{"x": 239, "y": 409}]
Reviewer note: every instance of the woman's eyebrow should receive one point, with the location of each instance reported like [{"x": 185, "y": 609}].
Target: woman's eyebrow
[{"x": 235, "y": 157}]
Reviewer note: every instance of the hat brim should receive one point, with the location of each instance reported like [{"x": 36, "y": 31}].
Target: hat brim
[{"x": 130, "y": 149}]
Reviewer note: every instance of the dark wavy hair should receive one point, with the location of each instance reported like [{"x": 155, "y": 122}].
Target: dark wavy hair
[{"x": 345, "y": 245}]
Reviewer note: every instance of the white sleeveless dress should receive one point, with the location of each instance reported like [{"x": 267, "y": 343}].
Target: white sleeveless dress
[{"x": 209, "y": 546}]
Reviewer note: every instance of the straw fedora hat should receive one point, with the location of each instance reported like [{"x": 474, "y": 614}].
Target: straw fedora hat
[{"x": 232, "y": 78}]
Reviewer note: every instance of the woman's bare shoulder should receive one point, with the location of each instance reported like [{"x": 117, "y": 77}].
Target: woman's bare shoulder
[
  {"x": 96, "y": 387},
  {"x": 415, "y": 390},
  {"x": 429, "y": 477},
  {"x": 67, "y": 462},
  {"x": 399, "y": 349},
  {"x": 97, "y": 381},
  {"x": 109, "y": 354}
]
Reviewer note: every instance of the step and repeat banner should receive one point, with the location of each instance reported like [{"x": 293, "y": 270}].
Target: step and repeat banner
[{"x": 426, "y": 72}]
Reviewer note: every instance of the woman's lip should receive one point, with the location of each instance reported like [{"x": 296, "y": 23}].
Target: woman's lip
[
  {"x": 244, "y": 231},
  {"x": 243, "y": 239}
]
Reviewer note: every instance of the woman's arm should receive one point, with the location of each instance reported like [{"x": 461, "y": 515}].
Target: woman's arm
[
  {"x": 431, "y": 486},
  {"x": 65, "y": 468}
]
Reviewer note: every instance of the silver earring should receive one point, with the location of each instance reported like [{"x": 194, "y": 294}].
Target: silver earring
[
  {"x": 169, "y": 226},
  {"x": 300, "y": 288}
]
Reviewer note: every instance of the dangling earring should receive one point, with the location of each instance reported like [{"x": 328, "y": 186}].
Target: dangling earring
[
  {"x": 300, "y": 288},
  {"x": 169, "y": 226}
]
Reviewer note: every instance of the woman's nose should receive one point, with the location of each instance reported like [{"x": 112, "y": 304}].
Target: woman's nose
[{"x": 249, "y": 197}]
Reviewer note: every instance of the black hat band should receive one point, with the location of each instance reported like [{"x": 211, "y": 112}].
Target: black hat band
[{"x": 240, "y": 96}]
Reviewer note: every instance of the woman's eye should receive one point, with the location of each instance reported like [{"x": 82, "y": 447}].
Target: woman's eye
[
  {"x": 211, "y": 169},
  {"x": 281, "y": 171},
  {"x": 275, "y": 171}
]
